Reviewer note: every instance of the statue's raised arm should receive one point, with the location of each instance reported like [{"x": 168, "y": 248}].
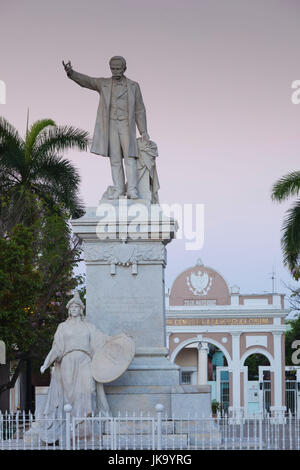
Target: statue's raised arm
[{"x": 83, "y": 80}]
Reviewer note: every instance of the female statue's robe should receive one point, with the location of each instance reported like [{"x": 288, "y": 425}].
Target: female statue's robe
[{"x": 75, "y": 343}]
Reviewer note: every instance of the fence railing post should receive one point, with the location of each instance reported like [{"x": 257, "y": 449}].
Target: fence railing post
[
  {"x": 159, "y": 409},
  {"x": 260, "y": 429},
  {"x": 68, "y": 409}
]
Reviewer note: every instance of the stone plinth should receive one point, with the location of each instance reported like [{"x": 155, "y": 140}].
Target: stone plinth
[
  {"x": 40, "y": 399},
  {"x": 196, "y": 399},
  {"x": 125, "y": 256}
]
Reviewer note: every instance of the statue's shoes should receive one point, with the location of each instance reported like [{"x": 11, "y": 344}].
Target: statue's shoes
[
  {"x": 132, "y": 195},
  {"x": 115, "y": 194}
]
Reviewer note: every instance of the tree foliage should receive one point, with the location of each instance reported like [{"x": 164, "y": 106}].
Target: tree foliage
[
  {"x": 19, "y": 283},
  {"x": 34, "y": 166},
  {"x": 37, "y": 280},
  {"x": 285, "y": 187},
  {"x": 292, "y": 334},
  {"x": 253, "y": 362},
  {"x": 38, "y": 253}
]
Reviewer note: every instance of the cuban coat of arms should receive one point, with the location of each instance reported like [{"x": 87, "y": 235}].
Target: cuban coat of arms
[{"x": 199, "y": 282}]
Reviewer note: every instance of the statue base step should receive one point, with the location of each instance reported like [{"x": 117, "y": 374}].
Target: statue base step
[{"x": 180, "y": 402}]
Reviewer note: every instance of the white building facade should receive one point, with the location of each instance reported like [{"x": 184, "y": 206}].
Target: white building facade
[{"x": 211, "y": 331}]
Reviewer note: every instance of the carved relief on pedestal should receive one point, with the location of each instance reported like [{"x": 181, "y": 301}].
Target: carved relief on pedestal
[{"x": 123, "y": 255}]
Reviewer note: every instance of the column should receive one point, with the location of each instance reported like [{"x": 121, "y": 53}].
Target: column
[
  {"x": 202, "y": 363},
  {"x": 168, "y": 334},
  {"x": 278, "y": 408},
  {"x": 236, "y": 373}
]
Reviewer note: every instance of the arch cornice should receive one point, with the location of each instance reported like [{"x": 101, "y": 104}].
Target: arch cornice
[
  {"x": 262, "y": 351},
  {"x": 197, "y": 339}
]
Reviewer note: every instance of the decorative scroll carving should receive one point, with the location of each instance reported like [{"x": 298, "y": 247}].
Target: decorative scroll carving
[{"x": 123, "y": 254}]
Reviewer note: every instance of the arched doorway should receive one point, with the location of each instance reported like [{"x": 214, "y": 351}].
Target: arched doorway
[
  {"x": 258, "y": 386},
  {"x": 195, "y": 354}
]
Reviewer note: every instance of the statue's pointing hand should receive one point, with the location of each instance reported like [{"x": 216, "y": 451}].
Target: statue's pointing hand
[{"x": 68, "y": 68}]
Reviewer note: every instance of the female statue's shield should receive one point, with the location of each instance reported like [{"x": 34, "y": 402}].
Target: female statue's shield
[{"x": 113, "y": 359}]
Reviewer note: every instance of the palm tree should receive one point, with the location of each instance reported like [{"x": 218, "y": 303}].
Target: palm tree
[
  {"x": 32, "y": 169},
  {"x": 285, "y": 187}
]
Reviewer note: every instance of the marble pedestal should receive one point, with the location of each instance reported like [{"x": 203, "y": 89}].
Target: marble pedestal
[{"x": 125, "y": 256}]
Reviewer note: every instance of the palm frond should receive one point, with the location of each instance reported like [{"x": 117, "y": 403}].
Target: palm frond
[
  {"x": 8, "y": 177},
  {"x": 58, "y": 200},
  {"x": 290, "y": 240},
  {"x": 8, "y": 133},
  {"x": 6, "y": 182},
  {"x": 33, "y": 132},
  {"x": 12, "y": 161},
  {"x": 60, "y": 139},
  {"x": 11, "y": 146},
  {"x": 288, "y": 185},
  {"x": 57, "y": 170},
  {"x": 58, "y": 178},
  {"x": 35, "y": 168}
]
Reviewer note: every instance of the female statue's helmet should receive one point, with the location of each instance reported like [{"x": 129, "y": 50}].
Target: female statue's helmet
[{"x": 76, "y": 300}]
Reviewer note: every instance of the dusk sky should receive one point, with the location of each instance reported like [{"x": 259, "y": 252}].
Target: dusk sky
[{"x": 216, "y": 80}]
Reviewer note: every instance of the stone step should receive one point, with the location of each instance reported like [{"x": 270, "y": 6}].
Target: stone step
[
  {"x": 137, "y": 427},
  {"x": 195, "y": 426},
  {"x": 177, "y": 441},
  {"x": 205, "y": 439},
  {"x": 176, "y": 426}
]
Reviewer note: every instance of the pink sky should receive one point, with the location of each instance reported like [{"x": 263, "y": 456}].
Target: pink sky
[{"x": 216, "y": 81}]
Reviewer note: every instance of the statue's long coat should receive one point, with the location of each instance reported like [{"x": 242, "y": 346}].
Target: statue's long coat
[{"x": 136, "y": 111}]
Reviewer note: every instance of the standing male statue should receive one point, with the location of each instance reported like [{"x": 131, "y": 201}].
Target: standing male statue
[{"x": 121, "y": 108}]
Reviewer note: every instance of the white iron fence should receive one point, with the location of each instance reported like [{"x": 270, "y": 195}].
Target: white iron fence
[{"x": 147, "y": 432}]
